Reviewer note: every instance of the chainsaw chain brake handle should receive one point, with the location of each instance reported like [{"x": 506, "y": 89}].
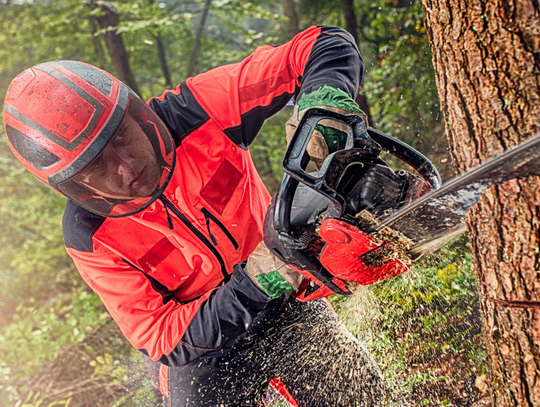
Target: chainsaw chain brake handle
[{"x": 362, "y": 146}]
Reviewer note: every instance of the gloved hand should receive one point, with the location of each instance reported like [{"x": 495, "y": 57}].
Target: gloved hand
[
  {"x": 270, "y": 274},
  {"x": 329, "y": 135}
]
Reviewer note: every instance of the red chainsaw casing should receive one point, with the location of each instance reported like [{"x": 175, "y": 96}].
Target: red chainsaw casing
[{"x": 342, "y": 257}]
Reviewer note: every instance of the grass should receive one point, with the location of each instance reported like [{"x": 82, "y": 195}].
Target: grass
[{"x": 424, "y": 330}]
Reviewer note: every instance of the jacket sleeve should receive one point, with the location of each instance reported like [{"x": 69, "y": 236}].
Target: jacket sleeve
[
  {"x": 240, "y": 97},
  {"x": 159, "y": 325}
]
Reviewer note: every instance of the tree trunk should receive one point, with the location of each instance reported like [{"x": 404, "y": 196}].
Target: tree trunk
[
  {"x": 197, "y": 42},
  {"x": 350, "y": 19},
  {"x": 487, "y": 63},
  {"x": 163, "y": 61},
  {"x": 363, "y": 104},
  {"x": 116, "y": 48},
  {"x": 98, "y": 49},
  {"x": 289, "y": 11},
  {"x": 352, "y": 27}
]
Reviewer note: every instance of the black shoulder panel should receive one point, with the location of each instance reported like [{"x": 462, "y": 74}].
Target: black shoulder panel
[
  {"x": 252, "y": 121},
  {"x": 181, "y": 112},
  {"x": 79, "y": 226}
]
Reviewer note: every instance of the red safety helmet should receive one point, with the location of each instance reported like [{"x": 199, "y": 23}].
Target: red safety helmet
[{"x": 65, "y": 120}]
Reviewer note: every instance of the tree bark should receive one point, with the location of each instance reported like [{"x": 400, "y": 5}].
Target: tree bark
[
  {"x": 293, "y": 25},
  {"x": 197, "y": 42},
  {"x": 487, "y": 63},
  {"x": 115, "y": 46}
]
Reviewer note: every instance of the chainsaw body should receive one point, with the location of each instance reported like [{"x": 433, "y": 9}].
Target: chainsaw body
[{"x": 316, "y": 222}]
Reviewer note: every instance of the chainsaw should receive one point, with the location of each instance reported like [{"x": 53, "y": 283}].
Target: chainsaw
[
  {"x": 356, "y": 220},
  {"x": 317, "y": 221}
]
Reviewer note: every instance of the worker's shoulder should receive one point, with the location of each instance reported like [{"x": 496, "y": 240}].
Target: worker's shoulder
[
  {"x": 180, "y": 111},
  {"x": 79, "y": 226}
]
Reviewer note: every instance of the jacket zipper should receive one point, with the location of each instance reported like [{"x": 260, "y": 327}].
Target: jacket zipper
[
  {"x": 208, "y": 216},
  {"x": 169, "y": 205}
]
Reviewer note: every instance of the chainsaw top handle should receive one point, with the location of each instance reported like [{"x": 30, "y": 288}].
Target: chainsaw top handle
[{"x": 362, "y": 145}]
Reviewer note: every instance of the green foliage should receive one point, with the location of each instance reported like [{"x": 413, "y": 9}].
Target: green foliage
[
  {"x": 63, "y": 321},
  {"x": 425, "y": 331},
  {"x": 401, "y": 82},
  {"x": 68, "y": 343},
  {"x": 31, "y": 240},
  {"x": 31, "y": 33}
]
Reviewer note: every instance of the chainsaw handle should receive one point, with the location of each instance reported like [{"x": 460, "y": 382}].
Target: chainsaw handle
[
  {"x": 296, "y": 157},
  {"x": 282, "y": 210},
  {"x": 296, "y": 160}
]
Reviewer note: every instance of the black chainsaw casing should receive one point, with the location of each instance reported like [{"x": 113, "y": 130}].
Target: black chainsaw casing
[{"x": 375, "y": 188}]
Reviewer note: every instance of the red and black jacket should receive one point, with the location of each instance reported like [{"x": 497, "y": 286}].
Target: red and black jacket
[{"x": 160, "y": 272}]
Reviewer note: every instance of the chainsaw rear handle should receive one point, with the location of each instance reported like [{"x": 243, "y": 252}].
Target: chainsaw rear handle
[{"x": 358, "y": 147}]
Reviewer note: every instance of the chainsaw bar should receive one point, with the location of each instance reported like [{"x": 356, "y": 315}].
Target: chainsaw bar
[{"x": 439, "y": 215}]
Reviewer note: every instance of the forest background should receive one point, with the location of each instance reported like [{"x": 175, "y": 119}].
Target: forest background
[{"x": 59, "y": 346}]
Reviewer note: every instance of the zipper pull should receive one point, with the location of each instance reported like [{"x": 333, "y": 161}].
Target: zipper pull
[
  {"x": 169, "y": 220},
  {"x": 208, "y": 227}
]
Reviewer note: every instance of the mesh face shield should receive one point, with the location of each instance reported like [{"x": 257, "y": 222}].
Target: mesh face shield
[{"x": 132, "y": 169}]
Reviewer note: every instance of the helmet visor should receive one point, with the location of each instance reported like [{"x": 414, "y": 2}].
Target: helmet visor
[{"x": 131, "y": 171}]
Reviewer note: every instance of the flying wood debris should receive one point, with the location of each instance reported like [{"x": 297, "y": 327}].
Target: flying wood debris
[{"x": 396, "y": 240}]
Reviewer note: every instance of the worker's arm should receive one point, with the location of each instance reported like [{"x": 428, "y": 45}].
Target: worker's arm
[
  {"x": 240, "y": 97},
  {"x": 158, "y": 324}
]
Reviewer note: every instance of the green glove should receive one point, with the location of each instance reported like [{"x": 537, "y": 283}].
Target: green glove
[
  {"x": 329, "y": 135},
  {"x": 270, "y": 274}
]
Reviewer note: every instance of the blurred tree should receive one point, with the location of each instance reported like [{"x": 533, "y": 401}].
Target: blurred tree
[
  {"x": 351, "y": 25},
  {"x": 292, "y": 24},
  {"x": 108, "y": 20},
  {"x": 33, "y": 263},
  {"x": 400, "y": 80},
  {"x": 486, "y": 57},
  {"x": 98, "y": 48},
  {"x": 197, "y": 42}
]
